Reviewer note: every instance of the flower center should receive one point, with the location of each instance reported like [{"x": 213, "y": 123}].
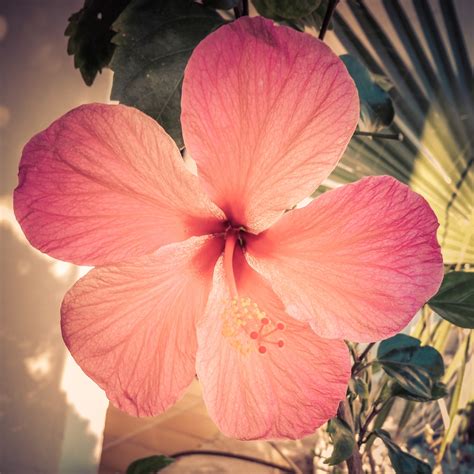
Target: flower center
[{"x": 244, "y": 324}]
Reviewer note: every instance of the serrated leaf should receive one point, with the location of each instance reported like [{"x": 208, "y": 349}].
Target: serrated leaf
[
  {"x": 90, "y": 34},
  {"x": 402, "y": 462},
  {"x": 455, "y": 299},
  {"x": 149, "y": 465},
  {"x": 342, "y": 439},
  {"x": 155, "y": 39},
  {"x": 286, "y": 9},
  {"x": 376, "y": 107},
  {"x": 416, "y": 369}
]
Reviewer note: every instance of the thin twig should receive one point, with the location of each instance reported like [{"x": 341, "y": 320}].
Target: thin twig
[
  {"x": 386, "y": 136},
  {"x": 354, "y": 463},
  {"x": 327, "y": 18},
  {"x": 353, "y": 352},
  {"x": 242, "y": 9},
  {"x": 377, "y": 408},
  {"x": 286, "y": 458},
  {"x": 360, "y": 368},
  {"x": 371, "y": 460},
  {"x": 241, "y": 457},
  {"x": 366, "y": 351},
  {"x": 357, "y": 367}
]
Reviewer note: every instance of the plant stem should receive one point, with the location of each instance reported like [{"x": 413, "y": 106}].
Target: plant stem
[
  {"x": 357, "y": 367},
  {"x": 360, "y": 367},
  {"x": 371, "y": 460},
  {"x": 386, "y": 136},
  {"x": 327, "y": 18},
  {"x": 242, "y": 457},
  {"x": 354, "y": 463},
  {"x": 366, "y": 351},
  {"x": 375, "y": 411},
  {"x": 377, "y": 408},
  {"x": 242, "y": 9}
]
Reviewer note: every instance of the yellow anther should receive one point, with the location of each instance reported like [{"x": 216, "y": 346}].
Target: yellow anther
[{"x": 240, "y": 317}]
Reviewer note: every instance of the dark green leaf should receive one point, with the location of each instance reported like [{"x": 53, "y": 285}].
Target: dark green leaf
[
  {"x": 402, "y": 462},
  {"x": 221, "y": 4},
  {"x": 416, "y": 369},
  {"x": 343, "y": 440},
  {"x": 398, "y": 343},
  {"x": 376, "y": 107},
  {"x": 455, "y": 299},
  {"x": 149, "y": 465},
  {"x": 414, "y": 380},
  {"x": 438, "y": 390},
  {"x": 286, "y": 9},
  {"x": 315, "y": 19},
  {"x": 154, "y": 42},
  {"x": 90, "y": 36},
  {"x": 362, "y": 389}
]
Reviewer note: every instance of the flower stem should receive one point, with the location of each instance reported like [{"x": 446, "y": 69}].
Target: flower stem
[
  {"x": 354, "y": 463},
  {"x": 327, "y": 18}
]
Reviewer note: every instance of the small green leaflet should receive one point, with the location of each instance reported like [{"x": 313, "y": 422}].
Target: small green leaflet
[
  {"x": 149, "y": 465},
  {"x": 343, "y": 440}
]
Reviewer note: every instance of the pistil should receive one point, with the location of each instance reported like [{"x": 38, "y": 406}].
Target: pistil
[{"x": 230, "y": 241}]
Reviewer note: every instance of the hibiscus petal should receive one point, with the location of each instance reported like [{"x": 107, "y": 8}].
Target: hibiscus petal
[
  {"x": 275, "y": 392},
  {"x": 358, "y": 262},
  {"x": 266, "y": 113},
  {"x": 131, "y": 327},
  {"x": 104, "y": 183}
]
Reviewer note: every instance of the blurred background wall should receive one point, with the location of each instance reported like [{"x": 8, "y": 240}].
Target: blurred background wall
[{"x": 51, "y": 415}]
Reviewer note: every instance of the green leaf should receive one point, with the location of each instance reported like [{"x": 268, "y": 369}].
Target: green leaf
[
  {"x": 398, "y": 343},
  {"x": 455, "y": 299},
  {"x": 286, "y": 9},
  {"x": 416, "y": 369},
  {"x": 362, "y": 389},
  {"x": 90, "y": 36},
  {"x": 149, "y": 465},
  {"x": 402, "y": 462},
  {"x": 376, "y": 107},
  {"x": 221, "y": 4},
  {"x": 343, "y": 440},
  {"x": 438, "y": 390},
  {"x": 154, "y": 42}
]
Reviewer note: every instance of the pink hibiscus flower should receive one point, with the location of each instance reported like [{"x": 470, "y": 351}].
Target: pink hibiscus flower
[{"x": 207, "y": 274}]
